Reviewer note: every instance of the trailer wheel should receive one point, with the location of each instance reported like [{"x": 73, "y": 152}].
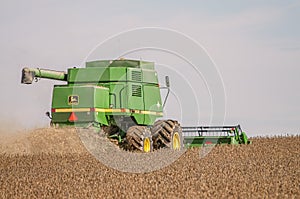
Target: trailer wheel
[
  {"x": 139, "y": 138},
  {"x": 167, "y": 133}
]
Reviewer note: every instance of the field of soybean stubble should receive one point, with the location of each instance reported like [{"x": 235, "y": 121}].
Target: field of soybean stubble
[{"x": 53, "y": 163}]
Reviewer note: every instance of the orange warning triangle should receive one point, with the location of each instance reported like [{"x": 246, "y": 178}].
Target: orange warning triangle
[{"x": 73, "y": 117}]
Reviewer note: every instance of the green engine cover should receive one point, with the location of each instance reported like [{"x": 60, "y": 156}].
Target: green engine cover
[
  {"x": 108, "y": 88},
  {"x": 88, "y": 103}
]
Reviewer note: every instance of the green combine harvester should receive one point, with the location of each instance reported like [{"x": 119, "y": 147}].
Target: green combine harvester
[{"x": 122, "y": 99}]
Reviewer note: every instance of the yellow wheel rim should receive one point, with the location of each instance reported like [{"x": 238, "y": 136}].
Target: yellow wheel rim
[
  {"x": 147, "y": 145},
  {"x": 176, "y": 141}
]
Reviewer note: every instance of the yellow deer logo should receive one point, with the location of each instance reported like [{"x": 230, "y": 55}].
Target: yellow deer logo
[{"x": 73, "y": 100}]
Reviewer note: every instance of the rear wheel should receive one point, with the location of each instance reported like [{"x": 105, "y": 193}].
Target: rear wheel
[
  {"x": 139, "y": 138},
  {"x": 167, "y": 134}
]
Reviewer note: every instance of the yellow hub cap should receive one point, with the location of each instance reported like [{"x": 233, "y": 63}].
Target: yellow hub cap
[
  {"x": 176, "y": 141},
  {"x": 147, "y": 145}
]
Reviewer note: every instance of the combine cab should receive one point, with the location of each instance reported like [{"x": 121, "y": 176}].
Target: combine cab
[{"x": 122, "y": 99}]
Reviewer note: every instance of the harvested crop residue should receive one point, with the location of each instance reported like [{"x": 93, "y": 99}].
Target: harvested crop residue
[{"x": 53, "y": 163}]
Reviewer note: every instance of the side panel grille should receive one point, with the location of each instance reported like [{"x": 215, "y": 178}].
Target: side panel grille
[
  {"x": 136, "y": 76},
  {"x": 137, "y": 90}
]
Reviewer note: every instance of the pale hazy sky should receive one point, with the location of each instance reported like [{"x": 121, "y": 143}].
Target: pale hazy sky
[{"x": 255, "y": 45}]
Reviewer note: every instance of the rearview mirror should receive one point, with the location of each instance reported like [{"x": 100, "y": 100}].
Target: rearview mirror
[{"x": 167, "y": 81}]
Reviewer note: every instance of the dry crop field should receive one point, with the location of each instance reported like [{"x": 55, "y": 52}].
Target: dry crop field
[{"x": 52, "y": 163}]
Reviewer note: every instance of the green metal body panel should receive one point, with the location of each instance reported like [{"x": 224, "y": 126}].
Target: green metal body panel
[
  {"x": 88, "y": 99},
  {"x": 117, "y": 92},
  {"x": 131, "y": 90},
  {"x": 89, "y": 96},
  {"x": 96, "y": 75}
]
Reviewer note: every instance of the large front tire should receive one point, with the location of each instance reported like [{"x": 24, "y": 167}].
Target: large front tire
[
  {"x": 167, "y": 134},
  {"x": 139, "y": 138}
]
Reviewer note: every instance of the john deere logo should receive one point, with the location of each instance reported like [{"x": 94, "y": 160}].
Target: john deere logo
[{"x": 73, "y": 100}]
